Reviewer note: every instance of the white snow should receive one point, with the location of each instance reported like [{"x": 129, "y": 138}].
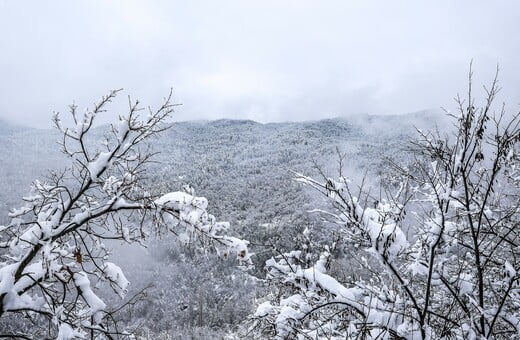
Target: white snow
[
  {"x": 117, "y": 278},
  {"x": 510, "y": 270},
  {"x": 316, "y": 275},
  {"x": 96, "y": 305},
  {"x": 264, "y": 309},
  {"x": 96, "y": 166},
  {"x": 66, "y": 332},
  {"x": 385, "y": 235}
]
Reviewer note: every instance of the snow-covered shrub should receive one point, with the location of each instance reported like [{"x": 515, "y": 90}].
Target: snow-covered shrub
[
  {"x": 54, "y": 255},
  {"x": 439, "y": 252}
]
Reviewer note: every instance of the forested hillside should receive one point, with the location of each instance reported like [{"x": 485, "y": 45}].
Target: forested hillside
[
  {"x": 244, "y": 169},
  {"x": 260, "y": 170}
]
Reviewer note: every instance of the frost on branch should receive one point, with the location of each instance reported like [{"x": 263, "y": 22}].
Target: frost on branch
[{"x": 54, "y": 259}]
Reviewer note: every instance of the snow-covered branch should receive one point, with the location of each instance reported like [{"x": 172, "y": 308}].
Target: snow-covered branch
[
  {"x": 55, "y": 258},
  {"x": 447, "y": 270}
]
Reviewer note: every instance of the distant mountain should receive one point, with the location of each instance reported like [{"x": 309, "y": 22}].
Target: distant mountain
[
  {"x": 210, "y": 154},
  {"x": 8, "y": 127},
  {"x": 25, "y": 154}
]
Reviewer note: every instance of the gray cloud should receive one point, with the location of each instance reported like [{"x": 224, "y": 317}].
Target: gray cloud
[{"x": 267, "y": 60}]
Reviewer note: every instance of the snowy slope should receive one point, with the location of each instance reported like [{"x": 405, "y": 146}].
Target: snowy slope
[
  {"x": 243, "y": 168},
  {"x": 211, "y": 155}
]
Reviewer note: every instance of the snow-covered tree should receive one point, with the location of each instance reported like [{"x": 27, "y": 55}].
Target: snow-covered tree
[
  {"x": 54, "y": 252},
  {"x": 450, "y": 268}
]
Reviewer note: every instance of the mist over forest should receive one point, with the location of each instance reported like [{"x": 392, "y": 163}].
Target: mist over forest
[
  {"x": 236, "y": 229},
  {"x": 244, "y": 170},
  {"x": 275, "y": 169},
  {"x": 200, "y": 152}
]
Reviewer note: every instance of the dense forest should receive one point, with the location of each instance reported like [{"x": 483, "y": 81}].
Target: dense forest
[{"x": 355, "y": 227}]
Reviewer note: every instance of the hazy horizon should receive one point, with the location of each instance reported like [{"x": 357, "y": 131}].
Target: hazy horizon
[
  {"x": 268, "y": 61},
  {"x": 50, "y": 125}
]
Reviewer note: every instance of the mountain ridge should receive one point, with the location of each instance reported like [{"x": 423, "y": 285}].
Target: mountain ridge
[{"x": 431, "y": 113}]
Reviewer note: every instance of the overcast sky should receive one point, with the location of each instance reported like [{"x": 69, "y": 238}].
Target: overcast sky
[{"x": 268, "y": 60}]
